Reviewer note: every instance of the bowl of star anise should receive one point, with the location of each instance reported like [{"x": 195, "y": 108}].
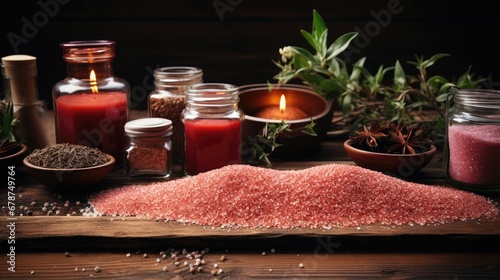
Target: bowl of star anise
[{"x": 390, "y": 148}]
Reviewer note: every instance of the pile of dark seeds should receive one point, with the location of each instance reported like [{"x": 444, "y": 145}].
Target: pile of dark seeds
[{"x": 67, "y": 156}]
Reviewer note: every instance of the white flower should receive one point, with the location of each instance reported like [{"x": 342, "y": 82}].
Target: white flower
[{"x": 286, "y": 53}]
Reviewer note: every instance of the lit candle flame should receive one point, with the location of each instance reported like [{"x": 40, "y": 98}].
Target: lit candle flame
[
  {"x": 282, "y": 103},
  {"x": 93, "y": 82}
]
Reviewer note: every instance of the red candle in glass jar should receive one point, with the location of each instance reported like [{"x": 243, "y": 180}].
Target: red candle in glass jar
[
  {"x": 93, "y": 119},
  {"x": 211, "y": 144}
]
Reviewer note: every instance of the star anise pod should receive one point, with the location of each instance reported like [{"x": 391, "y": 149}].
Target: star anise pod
[
  {"x": 369, "y": 138},
  {"x": 405, "y": 140}
]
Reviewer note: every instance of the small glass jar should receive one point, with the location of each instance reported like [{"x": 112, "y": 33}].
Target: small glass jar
[
  {"x": 472, "y": 145},
  {"x": 91, "y": 104},
  {"x": 148, "y": 151},
  {"x": 168, "y": 99},
  {"x": 212, "y": 125}
]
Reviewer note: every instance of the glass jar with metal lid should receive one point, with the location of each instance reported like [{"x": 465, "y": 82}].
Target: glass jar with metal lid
[
  {"x": 168, "y": 99},
  {"x": 148, "y": 151},
  {"x": 212, "y": 125}
]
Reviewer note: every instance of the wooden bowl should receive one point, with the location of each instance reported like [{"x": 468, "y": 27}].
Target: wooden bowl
[
  {"x": 70, "y": 180},
  {"x": 295, "y": 145},
  {"x": 396, "y": 164},
  {"x": 14, "y": 159}
]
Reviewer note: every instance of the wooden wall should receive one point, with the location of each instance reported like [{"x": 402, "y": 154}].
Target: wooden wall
[{"x": 237, "y": 42}]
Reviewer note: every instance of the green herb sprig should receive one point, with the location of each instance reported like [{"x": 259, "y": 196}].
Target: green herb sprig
[
  {"x": 264, "y": 144},
  {"x": 365, "y": 97},
  {"x": 8, "y": 123}
]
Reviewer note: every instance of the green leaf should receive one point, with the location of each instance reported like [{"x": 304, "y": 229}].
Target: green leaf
[
  {"x": 442, "y": 97},
  {"x": 331, "y": 85},
  {"x": 346, "y": 104},
  {"x": 429, "y": 62},
  {"x": 340, "y": 44},
  {"x": 356, "y": 72},
  {"x": 309, "y": 129},
  {"x": 319, "y": 25},
  {"x": 399, "y": 76},
  {"x": 311, "y": 40},
  {"x": 305, "y": 53}
]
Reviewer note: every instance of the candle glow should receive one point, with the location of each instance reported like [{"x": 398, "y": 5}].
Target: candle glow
[
  {"x": 282, "y": 104},
  {"x": 282, "y": 112},
  {"x": 93, "y": 82}
]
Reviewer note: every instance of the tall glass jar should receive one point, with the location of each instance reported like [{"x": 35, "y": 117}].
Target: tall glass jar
[
  {"x": 212, "y": 125},
  {"x": 148, "y": 148},
  {"x": 472, "y": 145},
  {"x": 168, "y": 99},
  {"x": 91, "y": 104}
]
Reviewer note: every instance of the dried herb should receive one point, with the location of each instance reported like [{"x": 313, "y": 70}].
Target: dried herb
[
  {"x": 390, "y": 138},
  {"x": 67, "y": 156}
]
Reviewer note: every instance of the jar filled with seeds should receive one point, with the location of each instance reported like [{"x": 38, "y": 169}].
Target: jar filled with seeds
[
  {"x": 148, "y": 152},
  {"x": 168, "y": 100}
]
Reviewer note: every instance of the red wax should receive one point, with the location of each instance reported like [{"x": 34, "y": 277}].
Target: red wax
[
  {"x": 94, "y": 120},
  {"x": 211, "y": 144}
]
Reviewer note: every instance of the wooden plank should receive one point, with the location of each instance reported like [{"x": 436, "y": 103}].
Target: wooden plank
[
  {"x": 253, "y": 265},
  {"x": 131, "y": 227}
]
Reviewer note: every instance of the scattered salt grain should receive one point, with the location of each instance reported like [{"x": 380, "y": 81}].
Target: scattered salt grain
[{"x": 324, "y": 196}]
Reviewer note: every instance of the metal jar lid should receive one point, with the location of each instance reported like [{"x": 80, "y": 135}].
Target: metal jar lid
[{"x": 149, "y": 127}]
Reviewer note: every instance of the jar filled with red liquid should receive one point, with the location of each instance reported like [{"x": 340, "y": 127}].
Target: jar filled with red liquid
[
  {"x": 212, "y": 125},
  {"x": 91, "y": 104},
  {"x": 473, "y": 139},
  {"x": 168, "y": 99}
]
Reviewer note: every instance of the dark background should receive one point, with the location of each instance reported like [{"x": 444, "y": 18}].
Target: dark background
[{"x": 237, "y": 41}]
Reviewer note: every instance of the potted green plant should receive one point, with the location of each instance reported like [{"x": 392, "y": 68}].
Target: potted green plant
[{"x": 364, "y": 97}]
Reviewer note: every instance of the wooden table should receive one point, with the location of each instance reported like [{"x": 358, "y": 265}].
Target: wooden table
[{"x": 53, "y": 240}]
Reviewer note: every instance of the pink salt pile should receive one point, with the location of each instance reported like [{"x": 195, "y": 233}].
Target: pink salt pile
[{"x": 324, "y": 196}]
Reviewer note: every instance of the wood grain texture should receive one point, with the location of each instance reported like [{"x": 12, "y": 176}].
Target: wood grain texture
[{"x": 55, "y": 265}]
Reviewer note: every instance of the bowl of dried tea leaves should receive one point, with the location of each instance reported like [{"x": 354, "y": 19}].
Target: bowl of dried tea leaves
[{"x": 69, "y": 167}]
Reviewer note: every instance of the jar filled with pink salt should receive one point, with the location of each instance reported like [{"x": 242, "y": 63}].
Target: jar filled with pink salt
[
  {"x": 473, "y": 139},
  {"x": 212, "y": 124}
]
